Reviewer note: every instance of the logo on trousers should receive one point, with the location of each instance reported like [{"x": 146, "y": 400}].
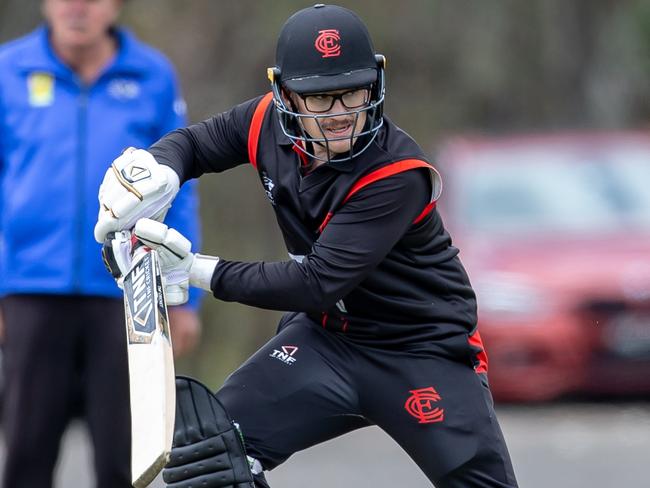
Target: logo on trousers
[
  {"x": 421, "y": 405},
  {"x": 285, "y": 355}
]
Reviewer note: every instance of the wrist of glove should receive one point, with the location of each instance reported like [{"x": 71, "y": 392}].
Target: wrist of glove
[
  {"x": 202, "y": 270},
  {"x": 134, "y": 187}
]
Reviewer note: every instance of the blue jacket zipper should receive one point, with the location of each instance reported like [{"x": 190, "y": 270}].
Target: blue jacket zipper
[{"x": 82, "y": 134}]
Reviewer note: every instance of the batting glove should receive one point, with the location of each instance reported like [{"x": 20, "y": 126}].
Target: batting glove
[
  {"x": 135, "y": 186},
  {"x": 117, "y": 254},
  {"x": 179, "y": 266}
]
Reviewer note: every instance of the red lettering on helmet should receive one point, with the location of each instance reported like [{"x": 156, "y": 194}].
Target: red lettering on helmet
[{"x": 328, "y": 43}]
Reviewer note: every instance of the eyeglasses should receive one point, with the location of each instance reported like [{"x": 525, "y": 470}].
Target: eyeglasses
[{"x": 319, "y": 103}]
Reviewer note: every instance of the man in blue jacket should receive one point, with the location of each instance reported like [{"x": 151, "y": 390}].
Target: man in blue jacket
[{"x": 73, "y": 93}]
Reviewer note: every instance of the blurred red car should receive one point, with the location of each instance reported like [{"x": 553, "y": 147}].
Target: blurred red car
[{"x": 555, "y": 234}]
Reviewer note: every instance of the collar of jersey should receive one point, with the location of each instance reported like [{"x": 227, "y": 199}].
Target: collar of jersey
[{"x": 283, "y": 140}]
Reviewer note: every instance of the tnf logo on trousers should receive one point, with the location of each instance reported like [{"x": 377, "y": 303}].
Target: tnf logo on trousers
[
  {"x": 421, "y": 405},
  {"x": 285, "y": 355}
]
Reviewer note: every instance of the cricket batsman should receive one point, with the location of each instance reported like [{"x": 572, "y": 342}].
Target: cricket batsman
[{"x": 381, "y": 319}]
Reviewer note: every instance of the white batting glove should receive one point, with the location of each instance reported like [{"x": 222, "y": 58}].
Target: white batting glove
[
  {"x": 135, "y": 186},
  {"x": 179, "y": 266}
]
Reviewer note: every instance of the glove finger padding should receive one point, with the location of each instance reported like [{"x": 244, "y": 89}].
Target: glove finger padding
[
  {"x": 116, "y": 253},
  {"x": 208, "y": 450},
  {"x": 175, "y": 257},
  {"x": 171, "y": 245},
  {"x": 176, "y": 294}
]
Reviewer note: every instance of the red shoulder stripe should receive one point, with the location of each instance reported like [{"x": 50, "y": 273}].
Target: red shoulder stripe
[
  {"x": 385, "y": 172},
  {"x": 256, "y": 127}
]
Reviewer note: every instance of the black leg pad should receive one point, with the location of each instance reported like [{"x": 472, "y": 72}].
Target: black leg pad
[{"x": 208, "y": 451}]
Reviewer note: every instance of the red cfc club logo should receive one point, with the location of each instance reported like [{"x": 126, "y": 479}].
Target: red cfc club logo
[
  {"x": 328, "y": 43},
  {"x": 421, "y": 406}
]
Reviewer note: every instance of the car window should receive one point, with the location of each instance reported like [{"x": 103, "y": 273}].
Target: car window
[{"x": 544, "y": 191}]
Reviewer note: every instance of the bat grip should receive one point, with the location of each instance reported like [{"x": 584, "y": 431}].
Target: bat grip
[{"x": 138, "y": 248}]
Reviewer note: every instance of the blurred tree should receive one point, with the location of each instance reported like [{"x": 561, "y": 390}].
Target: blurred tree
[{"x": 453, "y": 65}]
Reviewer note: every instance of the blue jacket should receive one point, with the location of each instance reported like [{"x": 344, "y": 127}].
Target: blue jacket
[{"x": 57, "y": 138}]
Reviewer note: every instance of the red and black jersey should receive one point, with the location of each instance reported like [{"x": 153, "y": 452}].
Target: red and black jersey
[{"x": 370, "y": 255}]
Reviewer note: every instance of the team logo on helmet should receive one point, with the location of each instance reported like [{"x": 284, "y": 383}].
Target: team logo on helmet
[
  {"x": 328, "y": 43},
  {"x": 420, "y": 406}
]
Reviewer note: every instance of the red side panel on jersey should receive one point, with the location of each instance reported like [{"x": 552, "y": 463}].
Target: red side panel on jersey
[
  {"x": 427, "y": 210},
  {"x": 256, "y": 127},
  {"x": 325, "y": 221},
  {"x": 477, "y": 345}
]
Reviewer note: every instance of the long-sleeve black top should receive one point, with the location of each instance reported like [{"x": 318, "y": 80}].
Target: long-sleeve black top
[{"x": 382, "y": 269}]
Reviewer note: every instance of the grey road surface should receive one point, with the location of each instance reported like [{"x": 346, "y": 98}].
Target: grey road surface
[{"x": 565, "y": 445}]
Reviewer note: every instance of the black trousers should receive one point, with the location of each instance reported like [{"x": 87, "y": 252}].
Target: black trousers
[
  {"x": 308, "y": 385},
  {"x": 65, "y": 355}
]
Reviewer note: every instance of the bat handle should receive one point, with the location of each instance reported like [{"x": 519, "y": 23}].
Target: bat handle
[{"x": 138, "y": 248}]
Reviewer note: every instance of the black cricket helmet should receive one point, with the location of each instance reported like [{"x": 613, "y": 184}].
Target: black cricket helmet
[{"x": 321, "y": 49}]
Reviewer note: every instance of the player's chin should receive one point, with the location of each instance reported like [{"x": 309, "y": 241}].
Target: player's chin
[{"x": 340, "y": 146}]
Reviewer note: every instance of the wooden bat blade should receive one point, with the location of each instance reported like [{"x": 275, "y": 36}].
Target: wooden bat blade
[{"x": 151, "y": 370}]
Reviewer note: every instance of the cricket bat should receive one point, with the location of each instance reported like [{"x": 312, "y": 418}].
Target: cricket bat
[{"x": 151, "y": 368}]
